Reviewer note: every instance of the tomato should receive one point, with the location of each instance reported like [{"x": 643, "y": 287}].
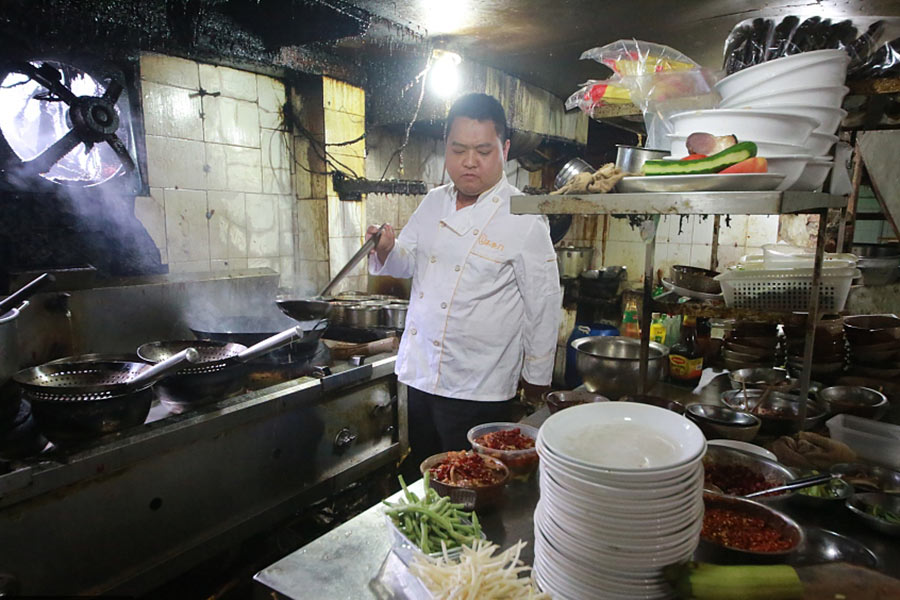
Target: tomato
[
  {"x": 694, "y": 156},
  {"x": 751, "y": 165}
]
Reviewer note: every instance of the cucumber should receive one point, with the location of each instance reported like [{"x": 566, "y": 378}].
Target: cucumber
[
  {"x": 703, "y": 581},
  {"x": 701, "y": 166}
]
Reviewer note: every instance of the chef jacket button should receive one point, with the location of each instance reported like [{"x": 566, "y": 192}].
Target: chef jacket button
[
  {"x": 496, "y": 199},
  {"x": 436, "y": 343},
  {"x": 443, "y": 305},
  {"x": 412, "y": 331},
  {"x": 421, "y": 294},
  {"x": 475, "y": 232},
  {"x": 434, "y": 259},
  {"x": 443, "y": 224},
  {"x": 456, "y": 268}
]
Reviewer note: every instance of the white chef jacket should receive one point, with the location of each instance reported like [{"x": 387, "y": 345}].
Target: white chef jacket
[{"x": 485, "y": 301}]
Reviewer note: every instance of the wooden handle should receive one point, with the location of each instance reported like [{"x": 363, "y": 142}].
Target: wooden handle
[{"x": 388, "y": 344}]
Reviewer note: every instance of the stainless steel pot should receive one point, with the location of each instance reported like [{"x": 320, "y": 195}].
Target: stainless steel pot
[
  {"x": 570, "y": 170},
  {"x": 610, "y": 365},
  {"x": 338, "y": 314},
  {"x": 573, "y": 261},
  {"x": 362, "y": 316},
  {"x": 394, "y": 316},
  {"x": 631, "y": 159}
]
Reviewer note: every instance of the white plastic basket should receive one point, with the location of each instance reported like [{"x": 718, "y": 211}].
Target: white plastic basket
[{"x": 750, "y": 286}]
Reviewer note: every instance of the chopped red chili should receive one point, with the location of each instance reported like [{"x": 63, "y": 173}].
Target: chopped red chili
[
  {"x": 735, "y": 480},
  {"x": 505, "y": 439},
  {"x": 466, "y": 469},
  {"x": 742, "y": 531}
]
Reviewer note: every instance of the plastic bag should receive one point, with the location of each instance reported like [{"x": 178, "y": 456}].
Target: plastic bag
[
  {"x": 758, "y": 40},
  {"x": 660, "y": 80},
  {"x": 595, "y": 93}
]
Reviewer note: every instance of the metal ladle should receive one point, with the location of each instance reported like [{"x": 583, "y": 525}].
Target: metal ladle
[
  {"x": 797, "y": 484},
  {"x": 316, "y": 308}
]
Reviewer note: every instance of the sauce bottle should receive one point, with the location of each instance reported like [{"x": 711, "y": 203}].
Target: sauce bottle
[
  {"x": 631, "y": 327},
  {"x": 657, "y": 329},
  {"x": 685, "y": 357}
]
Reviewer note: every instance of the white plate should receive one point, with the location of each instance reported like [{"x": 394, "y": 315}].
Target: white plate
[
  {"x": 623, "y": 437},
  {"x": 681, "y": 291},
  {"x": 819, "y": 68},
  {"x": 714, "y": 182},
  {"x": 746, "y": 124}
]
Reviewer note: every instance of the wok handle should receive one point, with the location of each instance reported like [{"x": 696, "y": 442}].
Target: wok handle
[
  {"x": 360, "y": 254},
  {"x": 797, "y": 484},
  {"x": 271, "y": 343},
  {"x": 170, "y": 364},
  {"x": 25, "y": 292}
]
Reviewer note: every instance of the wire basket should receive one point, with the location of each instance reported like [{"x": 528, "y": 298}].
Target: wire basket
[{"x": 785, "y": 289}]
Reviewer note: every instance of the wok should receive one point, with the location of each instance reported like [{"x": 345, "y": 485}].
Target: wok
[
  {"x": 249, "y": 330},
  {"x": 316, "y": 309},
  {"x": 83, "y": 397},
  {"x": 218, "y": 373}
]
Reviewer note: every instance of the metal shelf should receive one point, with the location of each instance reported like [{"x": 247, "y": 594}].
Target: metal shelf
[{"x": 677, "y": 203}]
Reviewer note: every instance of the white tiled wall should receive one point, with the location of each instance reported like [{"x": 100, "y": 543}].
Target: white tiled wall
[{"x": 219, "y": 168}]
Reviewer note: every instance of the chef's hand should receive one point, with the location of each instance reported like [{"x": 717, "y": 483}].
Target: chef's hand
[
  {"x": 533, "y": 395},
  {"x": 385, "y": 243}
]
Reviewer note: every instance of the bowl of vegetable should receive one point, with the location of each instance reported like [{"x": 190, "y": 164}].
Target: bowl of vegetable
[
  {"x": 738, "y": 530},
  {"x": 429, "y": 525},
  {"x": 879, "y": 511},
  {"x": 868, "y": 478},
  {"x": 825, "y": 495},
  {"x": 511, "y": 443},
  {"x": 474, "y": 480}
]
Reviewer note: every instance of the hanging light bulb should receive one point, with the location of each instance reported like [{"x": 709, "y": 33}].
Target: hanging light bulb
[{"x": 444, "y": 75}]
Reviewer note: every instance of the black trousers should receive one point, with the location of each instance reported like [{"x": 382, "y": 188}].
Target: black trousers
[{"x": 439, "y": 424}]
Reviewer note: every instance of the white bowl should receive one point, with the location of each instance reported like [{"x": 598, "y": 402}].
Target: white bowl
[
  {"x": 819, "y": 144},
  {"x": 820, "y": 68},
  {"x": 767, "y": 149},
  {"x": 813, "y": 175},
  {"x": 789, "y": 166},
  {"x": 623, "y": 437},
  {"x": 575, "y": 483},
  {"x": 746, "y": 124},
  {"x": 655, "y": 508},
  {"x": 746, "y": 447},
  {"x": 803, "y": 96},
  {"x": 829, "y": 118}
]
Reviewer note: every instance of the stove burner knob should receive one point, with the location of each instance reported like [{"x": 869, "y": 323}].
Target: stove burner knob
[
  {"x": 321, "y": 371},
  {"x": 357, "y": 360},
  {"x": 344, "y": 439}
]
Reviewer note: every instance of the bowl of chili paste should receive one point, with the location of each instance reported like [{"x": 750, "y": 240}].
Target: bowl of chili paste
[{"x": 511, "y": 443}]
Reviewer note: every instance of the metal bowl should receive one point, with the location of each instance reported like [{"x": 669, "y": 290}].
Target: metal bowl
[
  {"x": 719, "y": 422},
  {"x": 712, "y": 551},
  {"x": 736, "y": 356},
  {"x": 668, "y": 404},
  {"x": 562, "y": 399},
  {"x": 822, "y": 546},
  {"x": 610, "y": 365},
  {"x": 868, "y": 478},
  {"x": 756, "y": 377},
  {"x": 840, "y": 488},
  {"x": 570, "y": 170},
  {"x": 872, "y": 329},
  {"x": 787, "y": 406},
  {"x": 696, "y": 279},
  {"x": 631, "y": 159},
  {"x": 773, "y": 472},
  {"x": 854, "y": 400},
  {"x": 860, "y": 504}
]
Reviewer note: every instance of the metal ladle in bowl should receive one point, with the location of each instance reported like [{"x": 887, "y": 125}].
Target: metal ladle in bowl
[
  {"x": 797, "y": 484},
  {"x": 317, "y": 308}
]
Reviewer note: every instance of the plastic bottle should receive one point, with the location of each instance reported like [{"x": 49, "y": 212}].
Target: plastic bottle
[
  {"x": 658, "y": 329},
  {"x": 631, "y": 327},
  {"x": 685, "y": 357}
]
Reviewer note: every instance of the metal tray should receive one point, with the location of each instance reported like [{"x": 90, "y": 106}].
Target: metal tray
[{"x": 716, "y": 182}]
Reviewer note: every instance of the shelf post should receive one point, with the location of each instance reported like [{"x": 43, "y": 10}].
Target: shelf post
[
  {"x": 812, "y": 318},
  {"x": 648, "y": 234}
]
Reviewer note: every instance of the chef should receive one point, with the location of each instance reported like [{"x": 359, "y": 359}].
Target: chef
[{"x": 485, "y": 300}]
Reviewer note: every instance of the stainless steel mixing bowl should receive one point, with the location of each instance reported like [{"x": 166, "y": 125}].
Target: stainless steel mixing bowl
[{"x": 610, "y": 365}]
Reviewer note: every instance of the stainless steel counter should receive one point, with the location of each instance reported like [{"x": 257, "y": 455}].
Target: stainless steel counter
[{"x": 344, "y": 562}]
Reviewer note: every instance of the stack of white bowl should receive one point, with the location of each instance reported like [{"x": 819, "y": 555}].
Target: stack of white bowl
[
  {"x": 773, "y": 104},
  {"x": 621, "y": 498}
]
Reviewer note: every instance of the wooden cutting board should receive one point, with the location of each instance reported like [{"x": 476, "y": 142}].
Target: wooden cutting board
[{"x": 843, "y": 581}]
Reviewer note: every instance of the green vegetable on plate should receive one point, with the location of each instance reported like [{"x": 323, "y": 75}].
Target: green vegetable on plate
[
  {"x": 704, "y": 581},
  {"x": 701, "y": 166}
]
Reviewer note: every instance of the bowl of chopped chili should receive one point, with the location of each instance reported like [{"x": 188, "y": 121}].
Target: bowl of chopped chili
[
  {"x": 474, "y": 480},
  {"x": 513, "y": 444},
  {"x": 738, "y": 473},
  {"x": 738, "y": 530}
]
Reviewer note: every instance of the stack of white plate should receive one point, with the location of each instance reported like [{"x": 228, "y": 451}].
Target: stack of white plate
[{"x": 621, "y": 498}]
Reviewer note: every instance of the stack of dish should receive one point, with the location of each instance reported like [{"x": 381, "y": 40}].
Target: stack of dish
[
  {"x": 748, "y": 344},
  {"x": 828, "y": 347},
  {"x": 874, "y": 345},
  {"x": 621, "y": 498},
  {"x": 774, "y": 99}
]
